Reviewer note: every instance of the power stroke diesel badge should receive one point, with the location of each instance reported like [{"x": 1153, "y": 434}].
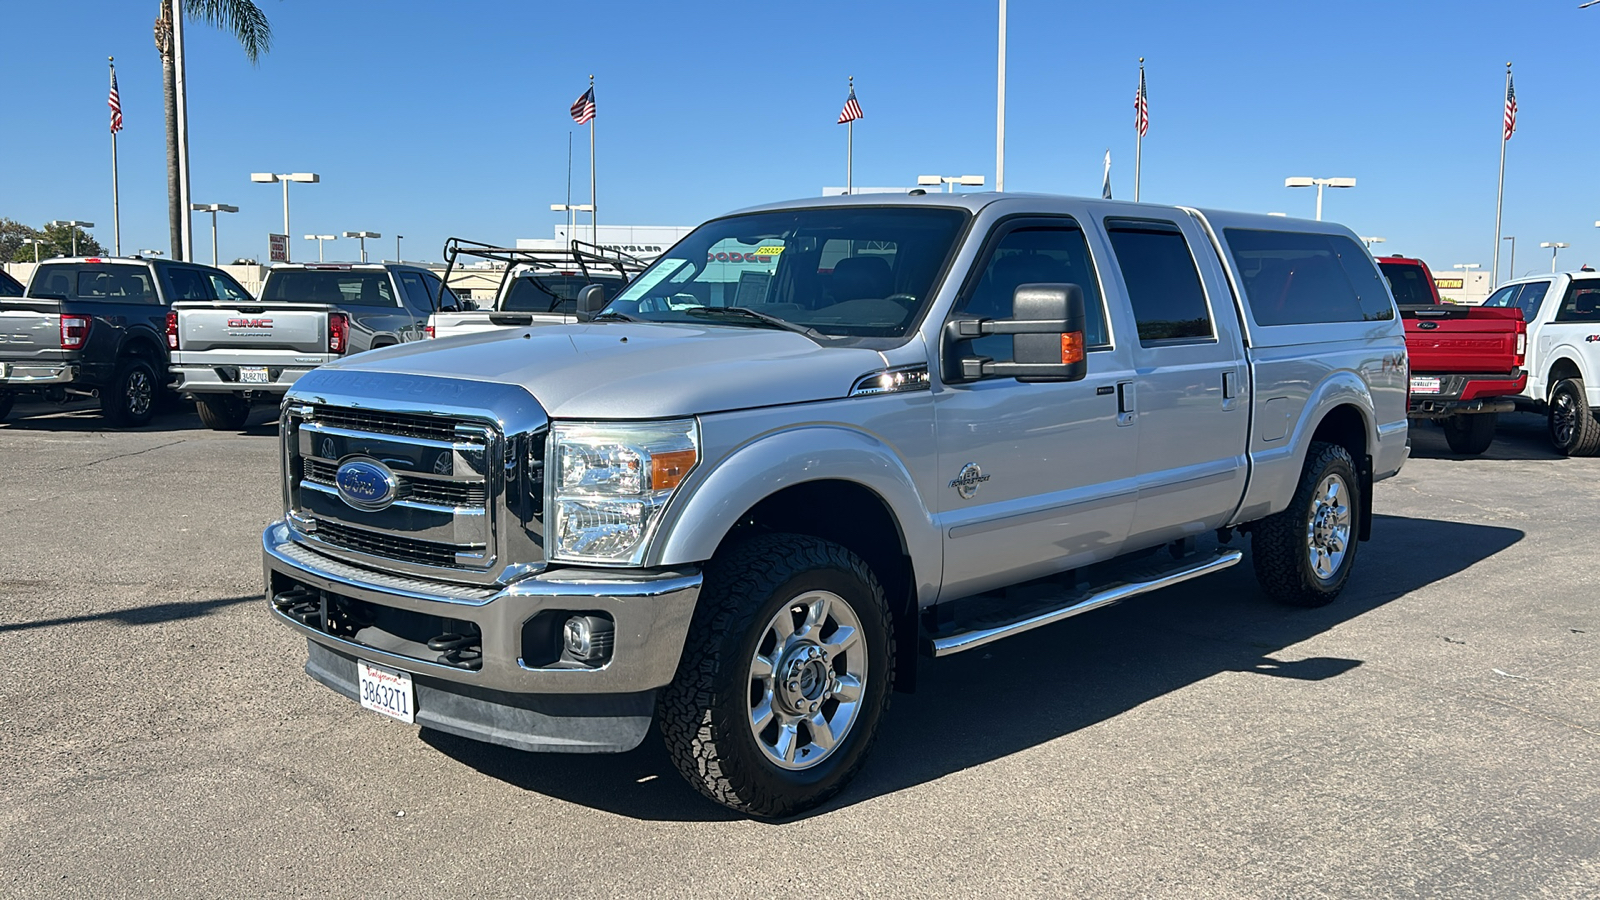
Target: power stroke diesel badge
[{"x": 966, "y": 483}]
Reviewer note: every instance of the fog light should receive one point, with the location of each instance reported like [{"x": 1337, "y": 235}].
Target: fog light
[{"x": 588, "y": 638}]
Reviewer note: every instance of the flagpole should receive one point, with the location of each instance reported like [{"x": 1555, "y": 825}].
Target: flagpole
[
  {"x": 594, "y": 212},
  {"x": 180, "y": 78},
  {"x": 1138, "y": 140},
  {"x": 850, "y": 148},
  {"x": 1500, "y": 193},
  {"x": 570, "y": 214},
  {"x": 1000, "y": 110},
  {"x": 116, "y": 212}
]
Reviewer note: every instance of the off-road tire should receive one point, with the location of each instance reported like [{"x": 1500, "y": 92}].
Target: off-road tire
[
  {"x": 7, "y": 400},
  {"x": 129, "y": 400},
  {"x": 1278, "y": 543},
  {"x": 704, "y": 714},
  {"x": 222, "y": 412},
  {"x": 1582, "y": 438},
  {"x": 1469, "y": 434}
]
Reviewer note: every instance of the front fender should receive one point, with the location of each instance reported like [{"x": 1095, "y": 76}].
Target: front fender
[{"x": 697, "y": 523}]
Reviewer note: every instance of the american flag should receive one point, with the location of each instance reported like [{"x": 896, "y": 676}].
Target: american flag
[
  {"x": 851, "y": 111},
  {"x": 1141, "y": 108},
  {"x": 1511, "y": 108},
  {"x": 115, "y": 102},
  {"x": 583, "y": 107}
]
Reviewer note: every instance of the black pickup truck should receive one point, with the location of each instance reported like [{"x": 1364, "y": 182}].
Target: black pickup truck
[{"x": 94, "y": 326}]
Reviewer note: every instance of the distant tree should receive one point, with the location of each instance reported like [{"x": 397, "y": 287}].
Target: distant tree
[
  {"x": 249, "y": 26},
  {"x": 56, "y": 240}
]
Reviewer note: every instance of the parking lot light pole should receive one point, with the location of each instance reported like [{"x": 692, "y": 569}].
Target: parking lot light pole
[
  {"x": 362, "y": 237},
  {"x": 35, "y": 242},
  {"x": 1369, "y": 241},
  {"x": 74, "y": 225},
  {"x": 1555, "y": 247},
  {"x": 397, "y": 248},
  {"x": 213, "y": 208},
  {"x": 319, "y": 238},
  {"x": 571, "y": 209},
  {"x": 950, "y": 181},
  {"x": 152, "y": 253},
  {"x": 270, "y": 178},
  {"x": 1512, "y": 266},
  {"x": 1319, "y": 184}
]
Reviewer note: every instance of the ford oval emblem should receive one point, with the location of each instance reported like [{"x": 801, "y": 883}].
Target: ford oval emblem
[{"x": 366, "y": 484}]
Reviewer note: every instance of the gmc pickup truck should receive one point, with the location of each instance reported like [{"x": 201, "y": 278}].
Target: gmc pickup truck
[
  {"x": 1562, "y": 312},
  {"x": 744, "y": 509},
  {"x": 537, "y": 287},
  {"x": 94, "y": 327},
  {"x": 230, "y": 355},
  {"x": 1466, "y": 361}
]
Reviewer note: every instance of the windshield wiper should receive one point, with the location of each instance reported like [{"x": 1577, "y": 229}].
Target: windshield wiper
[
  {"x": 750, "y": 315},
  {"x": 613, "y": 314}
]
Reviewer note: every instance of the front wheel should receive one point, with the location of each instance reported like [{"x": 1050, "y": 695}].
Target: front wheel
[
  {"x": 222, "y": 412},
  {"x": 785, "y": 675},
  {"x": 1470, "y": 434},
  {"x": 129, "y": 401},
  {"x": 1573, "y": 429},
  {"x": 1303, "y": 555}
]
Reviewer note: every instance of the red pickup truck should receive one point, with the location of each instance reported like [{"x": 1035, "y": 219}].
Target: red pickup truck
[{"x": 1466, "y": 361}]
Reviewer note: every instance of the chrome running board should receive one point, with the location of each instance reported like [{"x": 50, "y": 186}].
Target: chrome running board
[{"x": 946, "y": 645}]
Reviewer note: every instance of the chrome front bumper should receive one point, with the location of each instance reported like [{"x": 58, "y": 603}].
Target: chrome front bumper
[
  {"x": 33, "y": 374},
  {"x": 651, "y": 614}
]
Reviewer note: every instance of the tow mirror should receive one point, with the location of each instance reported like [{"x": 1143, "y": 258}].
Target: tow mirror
[
  {"x": 591, "y": 300},
  {"x": 1048, "y": 324}
]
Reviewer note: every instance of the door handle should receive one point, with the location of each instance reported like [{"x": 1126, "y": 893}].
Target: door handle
[
  {"x": 1230, "y": 389},
  {"x": 1126, "y": 408}
]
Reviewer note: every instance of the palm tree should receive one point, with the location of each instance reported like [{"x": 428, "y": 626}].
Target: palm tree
[{"x": 247, "y": 23}]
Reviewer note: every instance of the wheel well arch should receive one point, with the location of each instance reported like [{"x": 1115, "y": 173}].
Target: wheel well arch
[
  {"x": 144, "y": 348},
  {"x": 1346, "y": 426},
  {"x": 1565, "y": 367},
  {"x": 857, "y": 518}
]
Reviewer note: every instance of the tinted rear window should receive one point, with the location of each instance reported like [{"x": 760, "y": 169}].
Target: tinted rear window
[
  {"x": 87, "y": 281},
  {"x": 1296, "y": 278},
  {"x": 9, "y": 287},
  {"x": 333, "y": 287},
  {"x": 1409, "y": 283},
  {"x": 1169, "y": 303},
  {"x": 553, "y": 293}
]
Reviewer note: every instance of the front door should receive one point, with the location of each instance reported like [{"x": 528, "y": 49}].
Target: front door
[{"x": 1039, "y": 478}]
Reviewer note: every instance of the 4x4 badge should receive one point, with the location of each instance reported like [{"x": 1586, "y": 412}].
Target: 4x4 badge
[{"x": 966, "y": 483}]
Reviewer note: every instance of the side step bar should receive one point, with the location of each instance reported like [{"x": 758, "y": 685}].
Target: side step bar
[{"x": 949, "y": 644}]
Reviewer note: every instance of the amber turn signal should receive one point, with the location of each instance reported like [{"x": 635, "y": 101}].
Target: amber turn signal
[
  {"x": 667, "y": 469},
  {"x": 1071, "y": 348}
]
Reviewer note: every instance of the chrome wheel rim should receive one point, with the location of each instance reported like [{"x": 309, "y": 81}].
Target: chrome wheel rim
[
  {"x": 1328, "y": 528},
  {"x": 1563, "y": 418},
  {"x": 139, "y": 392},
  {"x": 807, "y": 677}
]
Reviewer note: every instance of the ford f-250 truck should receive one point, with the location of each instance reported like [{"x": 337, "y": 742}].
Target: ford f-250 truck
[
  {"x": 937, "y": 422},
  {"x": 1466, "y": 361},
  {"x": 230, "y": 355},
  {"x": 1563, "y": 316},
  {"x": 92, "y": 327},
  {"x": 537, "y": 287}
]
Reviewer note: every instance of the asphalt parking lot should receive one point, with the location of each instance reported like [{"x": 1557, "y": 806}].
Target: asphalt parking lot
[{"x": 1436, "y": 732}]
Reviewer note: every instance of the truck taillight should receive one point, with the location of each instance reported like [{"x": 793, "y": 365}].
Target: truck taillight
[
  {"x": 338, "y": 332},
  {"x": 1522, "y": 346},
  {"x": 428, "y": 332},
  {"x": 172, "y": 331},
  {"x": 74, "y": 331}
]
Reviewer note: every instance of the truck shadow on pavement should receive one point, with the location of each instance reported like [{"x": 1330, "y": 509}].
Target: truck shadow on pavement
[
  {"x": 1521, "y": 436},
  {"x": 989, "y": 703},
  {"x": 154, "y": 614},
  {"x": 84, "y": 417}
]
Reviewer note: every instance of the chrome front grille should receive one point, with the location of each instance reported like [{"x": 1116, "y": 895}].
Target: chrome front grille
[
  {"x": 425, "y": 553},
  {"x": 418, "y": 488},
  {"x": 373, "y": 421}
]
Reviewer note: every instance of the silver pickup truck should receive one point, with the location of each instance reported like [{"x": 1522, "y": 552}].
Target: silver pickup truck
[
  {"x": 815, "y": 442},
  {"x": 231, "y": 354}
]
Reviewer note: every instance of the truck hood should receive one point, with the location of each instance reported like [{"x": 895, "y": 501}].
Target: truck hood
[{"x": 619, "y": 370}]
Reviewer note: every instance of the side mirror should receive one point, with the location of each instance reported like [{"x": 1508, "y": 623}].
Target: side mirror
[
  {"x": 591, "y": 300},
  {"x": 1047, "y": 321}
]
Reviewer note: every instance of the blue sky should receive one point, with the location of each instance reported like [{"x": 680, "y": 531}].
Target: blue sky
[{"x": 433, "y": 119}]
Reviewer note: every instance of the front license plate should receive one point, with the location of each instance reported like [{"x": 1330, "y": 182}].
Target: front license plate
[
  {"x": 253, "y": 374},
  {"x": 1424, "y": 385},
  {"x": 387, "y": 691}
]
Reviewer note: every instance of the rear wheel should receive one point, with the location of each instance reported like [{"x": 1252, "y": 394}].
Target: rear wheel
[
  {"x": 130, "y": 399},
  {"x": 1303, "y": 555},
  {"x": 1573, "y": 429},
  {"x": 785, "y": 675},
  {"x": 222, "y": 412},
  {"x": 1470, "y": 434}
]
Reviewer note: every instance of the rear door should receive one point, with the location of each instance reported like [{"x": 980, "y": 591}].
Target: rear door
[{"x": 1189, "y": 390}]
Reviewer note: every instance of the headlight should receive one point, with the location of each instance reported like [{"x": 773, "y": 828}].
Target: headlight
[{"x": 610, "y": 484}]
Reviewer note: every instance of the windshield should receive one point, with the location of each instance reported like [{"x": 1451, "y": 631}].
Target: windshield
[
  {"x": 553, "y": 293},
  {"x": 842, "y": 271},
  {"x": 338, "y": 288},
  {"x": 1409, "y": 283}
]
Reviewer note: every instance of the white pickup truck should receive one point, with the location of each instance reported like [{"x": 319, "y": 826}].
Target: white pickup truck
[
  {"x": 537, "y": 287},
  {"x": 1563, "y": 359}
]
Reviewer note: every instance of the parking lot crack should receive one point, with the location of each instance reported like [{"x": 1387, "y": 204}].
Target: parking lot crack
[{"x": 134, "y": 453}]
